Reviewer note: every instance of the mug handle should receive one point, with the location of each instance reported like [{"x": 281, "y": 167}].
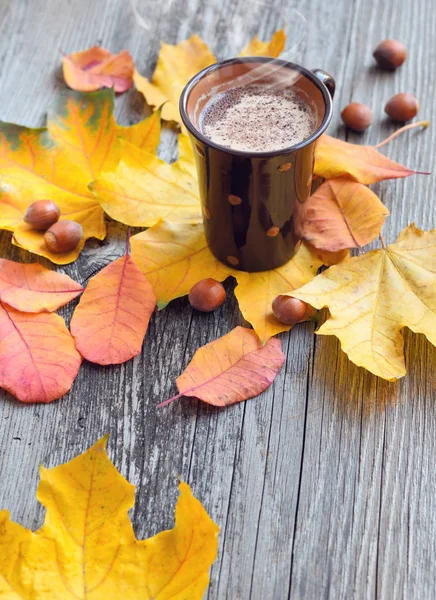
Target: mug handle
[{"x": 326, "y": 79}]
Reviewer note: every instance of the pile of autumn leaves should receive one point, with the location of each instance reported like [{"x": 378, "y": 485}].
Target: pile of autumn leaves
[{"x": 89, "y": 165}]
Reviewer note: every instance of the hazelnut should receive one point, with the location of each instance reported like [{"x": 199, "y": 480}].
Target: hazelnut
[
  {"x": 356, "y": 116},
  {"x": 402, "y": 107},
  {"x": 390, "y": 54},
  {"x": 290, "y": 310},
  {"x": 42, "y": 214},
  {"x": 206, "y": 295},
  {"x": 63, "y": 236}
]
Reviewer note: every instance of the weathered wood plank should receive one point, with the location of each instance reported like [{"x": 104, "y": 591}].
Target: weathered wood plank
[{"x": 325, "y": 485}]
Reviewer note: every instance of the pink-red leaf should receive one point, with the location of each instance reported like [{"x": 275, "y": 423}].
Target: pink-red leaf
[
  {"x": 95, "y": 68},
  {"x": 38, "y": 359},
  {"x": 231, "y": 369},
  {"x": 111, "y": 319},
  {"x": 33, "y": 288}
]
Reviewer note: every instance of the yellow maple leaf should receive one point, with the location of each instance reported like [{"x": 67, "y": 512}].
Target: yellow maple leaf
[
  {"x": 86, "y": 547},
  {"x": 175, "y": 67},
  {"x": 371, "y": 298},
  {"x": 145, "y": 134},
  {"x": 273, "y": 48},
  {"x": 177, "y": 64},
  {"x": 143, "y": 189},
  {"x": 58, "y": 162},
  {"x": 173, "y": 257}
]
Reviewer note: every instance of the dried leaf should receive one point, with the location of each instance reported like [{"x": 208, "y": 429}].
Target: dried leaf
[
  {"x": 38, "y": 359},
  {"x": 173, "y": 257},
  {"x": 372, "y": 297},
  {"x": 336, "y": 158},
  {"x": 145, "y": 134},
  {"x": 143, "y": 189},
  {"x": 111, "y": 319},
  {"x": 175, "y": 67},
  {"x": 95, "y": 68},
  {"x": 86, "y": 547},
  {"x": 340, "y": 214},
  {"x": 231, "y": 369},
  {"x": 58, "y": 163},
  {"x": 272, "y": 48},
  {"x": 33, "y": 288}
]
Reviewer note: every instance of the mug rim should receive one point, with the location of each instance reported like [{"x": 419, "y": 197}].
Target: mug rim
[{"x": 247, "y": 153}]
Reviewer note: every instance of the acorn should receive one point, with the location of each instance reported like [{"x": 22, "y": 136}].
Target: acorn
[
  {"x": 291, "y": 310},
  {"x": 42, "y": 214},
  {"x": 356, "y": 116},
  {"x": 63, "y": 236},
  {"x": 402, "y": 107},
  {"x": 390, "y": 54},
  {"x": 207, "y": 295}
]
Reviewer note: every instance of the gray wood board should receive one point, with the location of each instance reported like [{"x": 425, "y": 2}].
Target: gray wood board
[{"x": 324, "y": 486}]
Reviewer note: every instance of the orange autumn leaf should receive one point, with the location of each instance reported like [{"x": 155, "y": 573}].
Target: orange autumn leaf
[
  {"x": 87, "y": 549},
  {"x": 38, "y": 359},
  {"x": 340, "y": 214},
  {"x": 33, "y": 288},
  {"x": 111, "y": 319},
  {"x": 231, "y": 369},
  {"x": 176, "y": 65},
  {"x": 336, "y": 158},
  {"x": 95, "y": 68}
]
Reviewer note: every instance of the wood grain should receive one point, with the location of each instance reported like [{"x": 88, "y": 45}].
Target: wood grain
[{"x": 325, "y": 486}]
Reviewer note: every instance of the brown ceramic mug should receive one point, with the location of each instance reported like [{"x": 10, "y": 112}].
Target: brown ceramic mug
[{"x": 249, "y": 198}]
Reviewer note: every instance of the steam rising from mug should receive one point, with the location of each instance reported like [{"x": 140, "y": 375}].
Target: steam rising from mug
[{"x": 228, "y": 35}]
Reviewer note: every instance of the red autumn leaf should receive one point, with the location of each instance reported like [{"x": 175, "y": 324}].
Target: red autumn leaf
[
  {"x": 336, "y": 158},
  {"x": 111, "y": 319},
  {"x": 38, "y": 359},
  {"x": 95, "y": 68},
  {"x": 340, "y": 214},
  {"x": 231, "y": 369},
  {"x": 33, "y": 288}
]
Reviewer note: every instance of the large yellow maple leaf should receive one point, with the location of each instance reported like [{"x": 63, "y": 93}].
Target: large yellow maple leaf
[
  {"x": 58, "y": 162},
  {"x": 143, "y": 188},
  {"x": 86, "y": 548},
  {"x": 177, "y": 64},
  {"x": 371, "y": 298},
  {"x": 174, "y": 256}
]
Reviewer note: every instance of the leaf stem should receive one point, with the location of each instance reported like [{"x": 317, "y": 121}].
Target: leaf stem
[
  {"x": 128, "y": 242},
  {"x": 402, "y": 130},
  {"x": 165, "y": 402},
  {"x": 382, "y": 241}
]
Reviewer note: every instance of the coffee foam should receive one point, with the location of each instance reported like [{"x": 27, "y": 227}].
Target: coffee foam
[{"x": 257, "y": 118}]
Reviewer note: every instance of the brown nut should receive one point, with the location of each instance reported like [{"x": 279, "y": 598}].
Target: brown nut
[
  {"x": 63, "y": 236},
  {"x": 390, "y": 54},
  {"x": 356, "y": 116},
  {"x": 290, "y": 310},
  {"x": 42, "y": 214},
  {"x": 402, "y": 107},
  {"x": 206, "y": 295}
]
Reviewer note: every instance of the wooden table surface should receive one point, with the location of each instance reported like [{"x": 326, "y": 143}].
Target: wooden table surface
[{"x": 324, "y": 486}]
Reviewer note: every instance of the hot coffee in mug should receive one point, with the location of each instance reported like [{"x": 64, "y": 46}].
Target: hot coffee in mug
[{"x": 253, "y": 123}]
